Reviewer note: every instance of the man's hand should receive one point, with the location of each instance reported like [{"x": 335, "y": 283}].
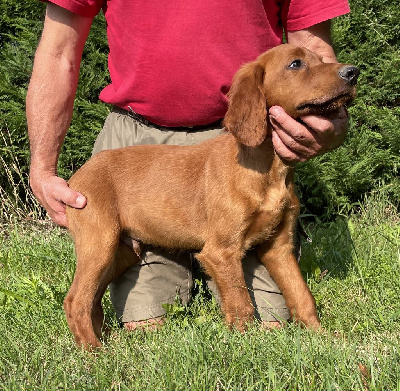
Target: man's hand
[
  {"x": 49, "y": 106},
  {"x": 296, "y": 141},
  {"x": 54, "y": 194}
]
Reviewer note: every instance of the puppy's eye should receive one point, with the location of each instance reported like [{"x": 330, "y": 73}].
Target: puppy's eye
[{"x": 296, "y": 64}]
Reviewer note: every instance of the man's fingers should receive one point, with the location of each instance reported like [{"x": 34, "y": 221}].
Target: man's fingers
[
  {"x": 329, "y": 132},
  {"x": 335, "y": 122},
  {"x": 292, "y": 140},
  {"x": 54, "y": 194},
  {"x": 61, "y": 196},
  {"x": 302, "y": 141},
  {"x": 67, "y": 196},
  {"x": 284, "y": 122},
  {"x": 297, "y": 141},
  {"x": 57, "y": 189},
  {"x": 284, "y": 152},
  {"x": 58, "y": 217},
  {"x": 320, "y": 125}
]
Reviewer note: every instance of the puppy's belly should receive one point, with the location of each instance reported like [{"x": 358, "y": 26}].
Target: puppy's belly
[{"x": 165, "y": 233}]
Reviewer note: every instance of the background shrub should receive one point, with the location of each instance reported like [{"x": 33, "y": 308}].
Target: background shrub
[
  {"x": 20, "y": 29},
  {"x": 330, "y": 184},
  {"x": 370, "y": 158}
]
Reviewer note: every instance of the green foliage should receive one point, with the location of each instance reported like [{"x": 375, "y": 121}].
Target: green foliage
[
  {"x": 369, "y": 159},
  {"x": 19, "y": 32},
  {"x": 20, "y": 29},
  {"x": 359, "y": 254}
]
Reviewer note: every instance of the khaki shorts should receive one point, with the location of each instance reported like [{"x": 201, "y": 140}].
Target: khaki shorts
[{"x": 164, "y": 276}]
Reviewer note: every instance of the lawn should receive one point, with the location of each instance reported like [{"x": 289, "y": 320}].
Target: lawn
[{"x": 352, "y": 266}]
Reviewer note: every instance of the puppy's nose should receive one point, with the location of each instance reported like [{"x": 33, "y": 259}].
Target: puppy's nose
[{"x": 349, "y": 73}]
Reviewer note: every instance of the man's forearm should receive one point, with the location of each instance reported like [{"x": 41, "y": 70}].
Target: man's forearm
[
  {"x": 49, "y": 108},
  {"x": 53, "y": 84}
]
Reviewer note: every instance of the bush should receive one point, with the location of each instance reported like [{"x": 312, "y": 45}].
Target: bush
[
  {"x": 20, "y": 29},
  {"x": 370, "y": 156},
  {"x": 330, "y": 184}
]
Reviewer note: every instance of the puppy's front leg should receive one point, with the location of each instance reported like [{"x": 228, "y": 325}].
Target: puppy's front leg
[
  {"x": 224, "y": 266},
  {"x": 277, "y": 256}
]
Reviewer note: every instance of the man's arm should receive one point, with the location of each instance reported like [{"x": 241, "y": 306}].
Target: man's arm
[
  {"x": 49, "y": 106},
  {"x": 292, "y": 140}
]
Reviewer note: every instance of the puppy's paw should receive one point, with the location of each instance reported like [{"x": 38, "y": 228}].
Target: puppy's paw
[{"x": 240, "y": 318}]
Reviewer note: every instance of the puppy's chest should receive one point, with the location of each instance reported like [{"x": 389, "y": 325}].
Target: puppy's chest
[{"x": 274, "y": 209}]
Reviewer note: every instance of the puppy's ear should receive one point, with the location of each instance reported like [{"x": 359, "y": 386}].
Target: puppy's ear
[{"x": 246, "y": 117}]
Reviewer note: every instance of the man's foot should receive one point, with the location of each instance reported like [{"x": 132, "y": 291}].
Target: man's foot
[
  {"x": 272, "y": 325},
  {"x": 157, "y": 323},
  {"x": 146, "y": 325}
]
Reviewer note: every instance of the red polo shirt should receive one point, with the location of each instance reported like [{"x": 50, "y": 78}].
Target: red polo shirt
[{"x": 172, "y": 61}]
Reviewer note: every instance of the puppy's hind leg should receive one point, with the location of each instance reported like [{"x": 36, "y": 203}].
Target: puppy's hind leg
[
  {"x": 125, "y": 257},
  {"x": 95, "y": 251}
]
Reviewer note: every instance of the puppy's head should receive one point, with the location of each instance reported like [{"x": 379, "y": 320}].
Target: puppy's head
[{"x": 291, "y": 77}]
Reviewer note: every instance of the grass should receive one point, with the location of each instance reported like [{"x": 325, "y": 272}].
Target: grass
[
  {"x": 353, "y": 267},
  {"x": 13, "y": 205}
]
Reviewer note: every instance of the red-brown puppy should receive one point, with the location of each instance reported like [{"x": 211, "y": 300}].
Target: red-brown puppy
[{"x": 222, "y": 197}]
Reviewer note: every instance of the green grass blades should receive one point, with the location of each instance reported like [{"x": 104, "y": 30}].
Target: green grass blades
[{"x": 353, "y": 268}]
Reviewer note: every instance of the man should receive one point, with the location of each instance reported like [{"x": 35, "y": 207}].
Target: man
[{"x": 170, "y": 64}]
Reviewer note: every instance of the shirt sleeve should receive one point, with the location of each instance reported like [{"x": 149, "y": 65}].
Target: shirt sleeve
[
  {"x": 301, "y": 14},
  {"x": 89, "y": 8}
]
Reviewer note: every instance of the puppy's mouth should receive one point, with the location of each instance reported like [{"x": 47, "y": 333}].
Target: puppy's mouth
[{"x": 326, "y": 105}]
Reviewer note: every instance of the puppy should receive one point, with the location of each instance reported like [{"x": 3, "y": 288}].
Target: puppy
[{"x": 223, "y": 196}]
